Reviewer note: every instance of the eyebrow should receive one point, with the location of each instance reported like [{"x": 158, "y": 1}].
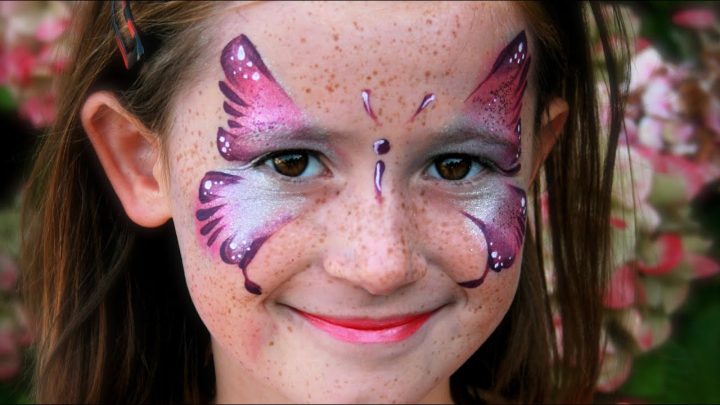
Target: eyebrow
[{"x": 460, "y": 132}]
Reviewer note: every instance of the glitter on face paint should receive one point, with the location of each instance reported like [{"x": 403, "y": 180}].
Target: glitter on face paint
[
  {"x": 496, "y": 103},
  {"x": 365, "y": 94},
  {"x": 426, "y": 101},
  {"x": 229, "y": 210},
  {"x": 255, "y": 102},
  {"x": 379, "y": 170},
  {"x": 504, "y": 234},
  {"x": 381, "y": 146}
]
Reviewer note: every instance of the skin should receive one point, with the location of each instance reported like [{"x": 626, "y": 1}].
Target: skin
[{"x": 331, "y": 243}]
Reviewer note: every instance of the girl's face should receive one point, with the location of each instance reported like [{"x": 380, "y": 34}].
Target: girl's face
[{"x": 348, "y": 187}]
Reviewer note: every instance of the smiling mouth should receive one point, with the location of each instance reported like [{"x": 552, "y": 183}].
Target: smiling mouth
[{"x": 366, "y": 330}]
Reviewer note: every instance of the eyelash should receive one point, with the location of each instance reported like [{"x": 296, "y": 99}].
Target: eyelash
[
  {"x": 477, "y": 166},
  {"x": 313, "y": 159}
]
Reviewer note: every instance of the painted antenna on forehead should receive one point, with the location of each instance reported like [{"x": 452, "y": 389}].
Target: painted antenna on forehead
[
  {"x": 497, "y": 101},
  {"x": 428, "y": 99},
  {"x": 254, "y": 101},
  {"x": 365, "y": 96}
]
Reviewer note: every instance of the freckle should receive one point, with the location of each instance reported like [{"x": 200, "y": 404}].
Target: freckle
[
  {"x": 308, "y": 90},
  {"x": 290, "y": 329},
  {"x": 428, "y": 21},
  {"x": 336, "y": 37},
  {"x": 271, "y": 343}
]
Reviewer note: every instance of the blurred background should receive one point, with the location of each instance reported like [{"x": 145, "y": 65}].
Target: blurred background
[{"x": 662, "y": 329}]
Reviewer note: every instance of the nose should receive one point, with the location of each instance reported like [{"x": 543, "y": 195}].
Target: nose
[{"x": 373, "y": 248}]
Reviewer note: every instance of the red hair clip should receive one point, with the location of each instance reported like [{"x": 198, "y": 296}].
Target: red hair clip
[{"x": 130, "y": 56}]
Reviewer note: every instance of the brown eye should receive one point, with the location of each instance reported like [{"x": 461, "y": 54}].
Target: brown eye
[
  {"x": 291, "y": 164},
  {"x": 453, "y": 167}
]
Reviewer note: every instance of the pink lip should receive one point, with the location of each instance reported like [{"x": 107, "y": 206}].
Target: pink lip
[{"x": 365, "y": 330}]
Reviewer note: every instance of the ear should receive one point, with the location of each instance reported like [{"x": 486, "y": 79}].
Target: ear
[
  {"x": 131, "y": 157},
  {"x": 551, "y": 126}
]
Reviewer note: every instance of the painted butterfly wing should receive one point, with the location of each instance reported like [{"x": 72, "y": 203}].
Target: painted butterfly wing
[{"x": 254, "y": 101}]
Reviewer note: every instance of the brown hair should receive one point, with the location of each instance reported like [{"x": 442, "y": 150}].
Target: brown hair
[{"x": 110, "y": 328}]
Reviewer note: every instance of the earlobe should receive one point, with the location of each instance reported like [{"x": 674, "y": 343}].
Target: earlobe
[
  {"x": 551, "y": 127},
  {"x": 131, "y": 157}
]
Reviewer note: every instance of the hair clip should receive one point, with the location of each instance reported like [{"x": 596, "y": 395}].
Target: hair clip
[{"x": 130, "y": 56}]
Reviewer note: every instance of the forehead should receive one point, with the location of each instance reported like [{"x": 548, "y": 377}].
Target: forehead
[{"x": 325, "y": 53}]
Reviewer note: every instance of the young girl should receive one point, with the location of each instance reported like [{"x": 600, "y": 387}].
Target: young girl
[{"x": 321, "y": 202}]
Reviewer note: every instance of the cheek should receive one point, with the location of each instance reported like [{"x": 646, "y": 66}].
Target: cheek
[
  {"x": 473, "y": 237},
  {"x": 237, "y": 215}
]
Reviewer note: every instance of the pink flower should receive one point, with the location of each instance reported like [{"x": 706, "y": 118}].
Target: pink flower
[
  {"x": 702, "y": 266},
  {"x": 20, "y": 63},
  {"x": 658, "y": 98},
  {"x": 644, "y": 66},
  {"x": 668, "y": 251},
  {"x": 694, "y": 175},
  {"x": 621, "y": 290},
  {"x": 695, "y": 18},
  {"x": 633, "y": 177},
  {"x": 39, "y": 110},
  {"x": 51, "y": 28},
  {"x": 648, "y": 330},
  {"x": 8, "y": 273},
  {"x": 650, "y": 133},
  {"x": 616, "y": 367}
]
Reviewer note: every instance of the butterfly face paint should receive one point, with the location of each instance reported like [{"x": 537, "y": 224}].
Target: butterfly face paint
[
  {"x": 381, "y": 147},
  {"x": 238, "y": 209},
  {"x": 425, "y": 103},
  {"x": 495, "y": 105},
  {"x": 365, "y": 95}
]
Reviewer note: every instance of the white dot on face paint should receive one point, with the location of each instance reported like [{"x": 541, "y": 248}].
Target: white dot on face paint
[
  {"x": 227, "y": 144},
  {"x": 520, "y": 47},
  {"x": 244, "y": 76},
  {"x": 241, "y": 53},
  {"x": 208, "y": 185},
  {"x": 522, "y": 202},
  {"x": 221, "y": 139},
  {"x": 256, "y": 76},
  {"x": 233, "y": 245},
  {"x": 249, "y": 64},
  {"x": 224, "y": 149},
  {"x": 493, "y": 255}
]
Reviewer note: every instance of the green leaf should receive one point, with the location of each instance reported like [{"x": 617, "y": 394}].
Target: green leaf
[
  {"x": 686, "y": 368},
  {"x": 7, "y": 103}
]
